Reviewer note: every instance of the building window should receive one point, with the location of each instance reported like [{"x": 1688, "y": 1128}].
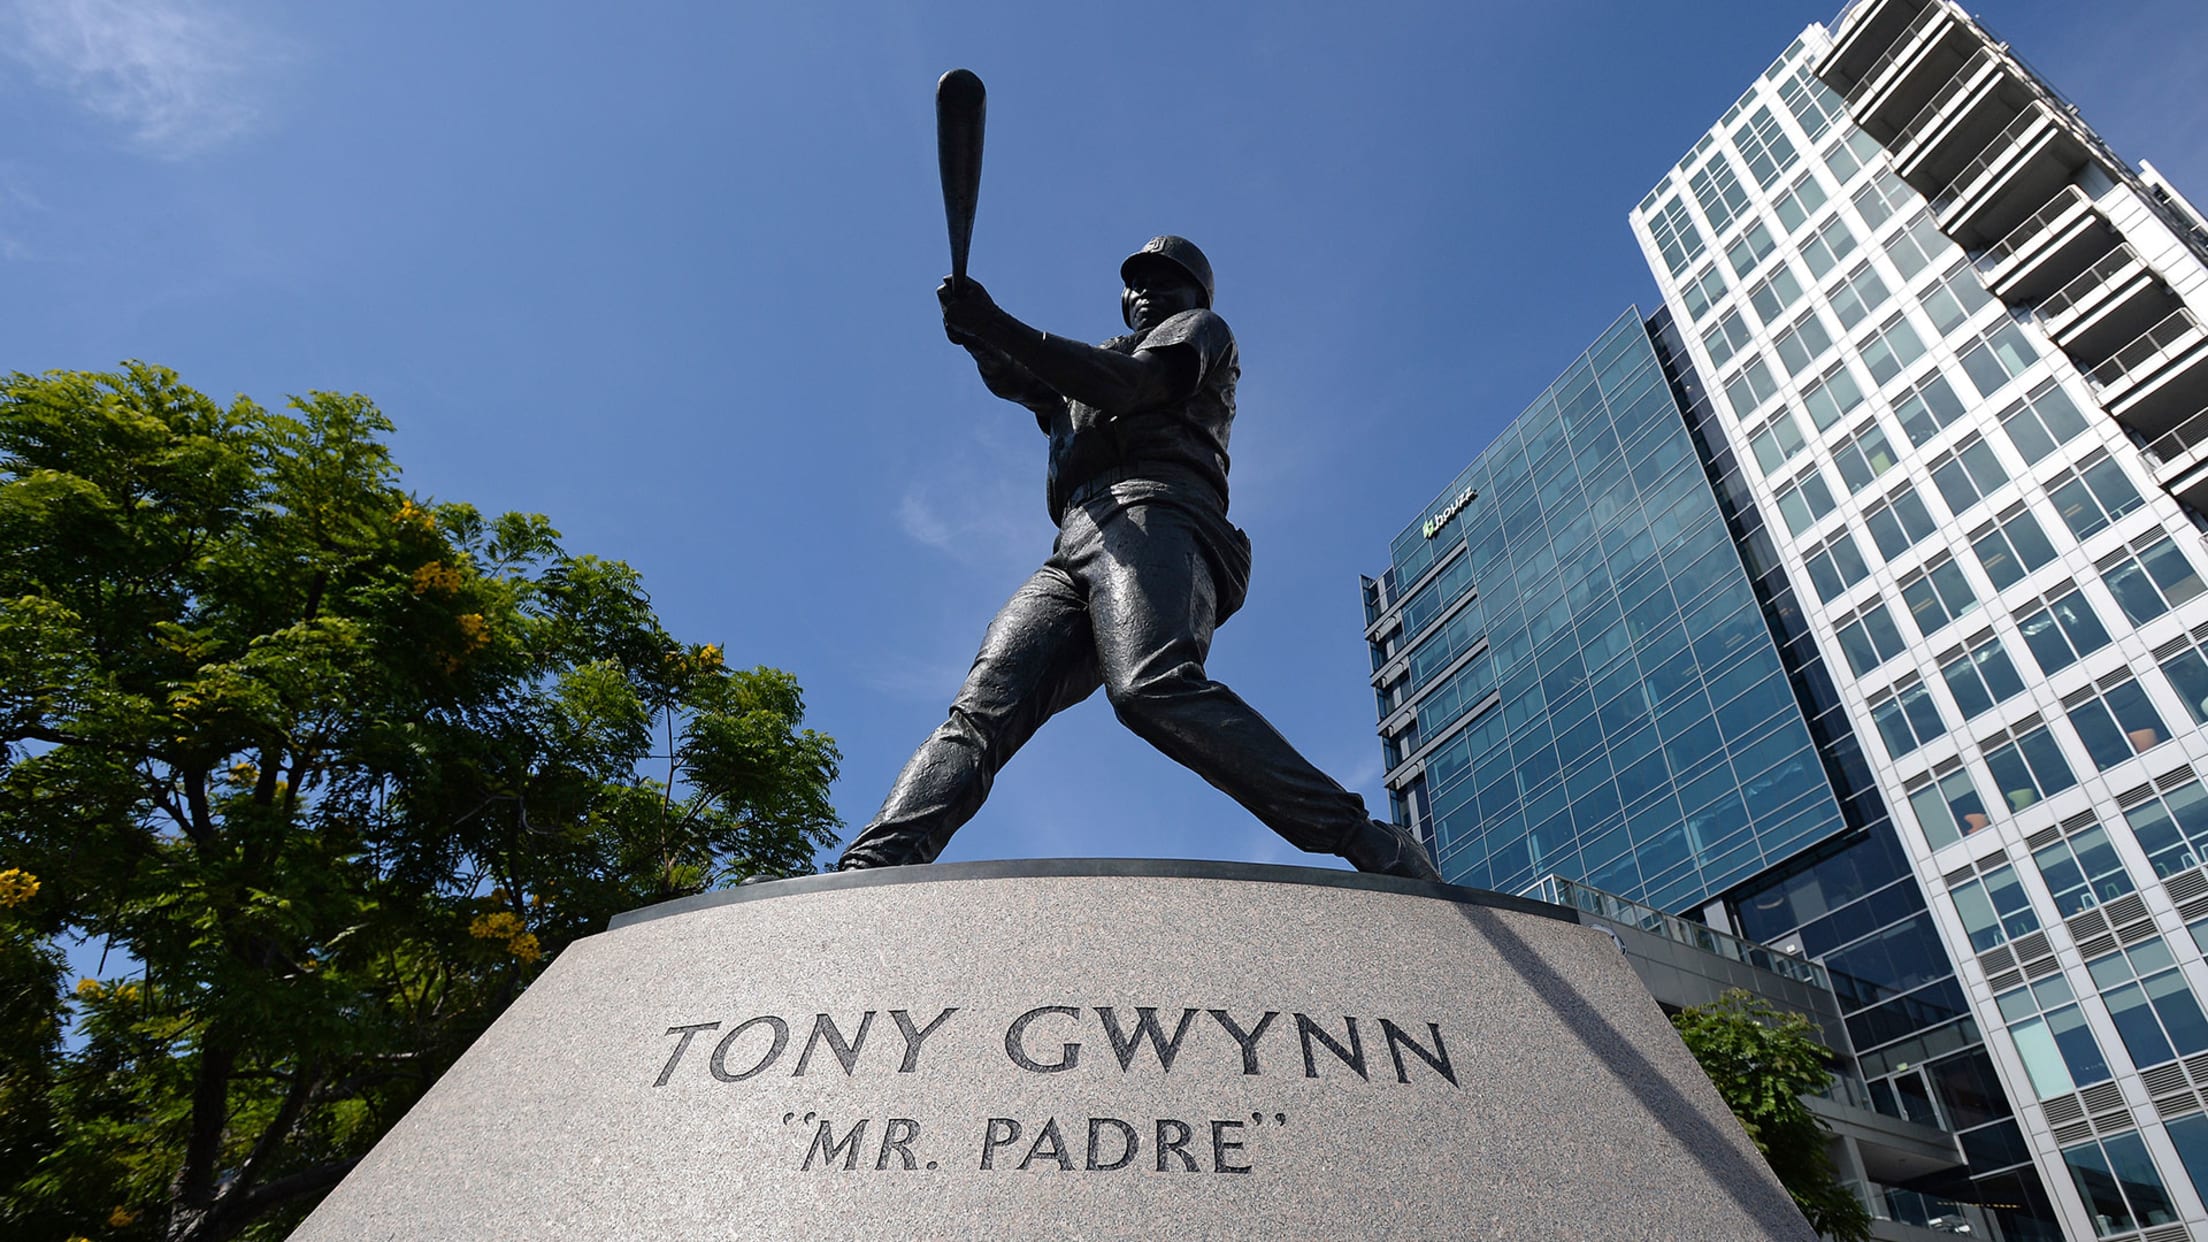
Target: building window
[
  {"x": 1948, "y": 809},
  {"x": 1994, "y": 908},
  {"x": 1779, "y": 440},
  {"x": 1801, "y": 200},
  {"x": 2152, "y": 581},
  {"x": 2062, "y": 630},
  {"x": 1954, "y": 298},
  {"x": 1926, "y": 407},
  {"x": 1675, "y": 235},
  {"x": 2190, "y": 1136},
  {"x": 1914, "y": 248},
  {"x": 1858, "y": 295},
  {"x": 1832, "y": 242},
  {"x": 1725, "y": 337},
  {"x": 1832, "y": 396},
  {"x": 1764, "y": 147},
  {"x": 2027, "y": 766},
  {"x": 1898, "y": 522},
  {"x": 1751, "y": 387},
  {"x": 2187, "y": 672},
  {"x": 1891, "y": 349},
  {"x": 1774, "y": 293},
  {"x": 1836, "y": 566},
  {"x": 1863, "y": 457},
  {"x": 1885, "y": 194},
  {"x": 1907, "y": 718},
  {"x": 2117, "y": 723},
  {"x": 1802, "y": 341},
  {"x": 2082, "y": 870},
  {"x": 2092, "y": 495},
  {"x": 1967, "y": 474},
  {"x": 1805, "y": 500},
  {"x": 1851, "y": 153},
  {"x": 1750, "y": 249},
  {"x": 1720, "y": 193},
  {"x": 2156, "y": 1015},
  {"x": 2117, "y": 1180},
  {"x": 1812, "y": 102},
  {"x": 1936, "y": 595},
  {"x": 2012, "y": 547},
  {"x": 2042, "y": 422},
  {"x": 1870, "y": 639},
  {"x": 2172, "y": 828},
  {"x": 1702, "y": 292},
  {"x": 1981, "y": 676},
  {"x": 1997, "y": 356},
  {"x": 2051, "y": 1037}
]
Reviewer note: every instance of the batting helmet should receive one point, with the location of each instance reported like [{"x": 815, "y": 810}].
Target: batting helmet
[{"x": 1178, "y": 251}]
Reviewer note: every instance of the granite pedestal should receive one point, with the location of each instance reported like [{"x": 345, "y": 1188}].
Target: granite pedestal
[{"x": 1075, "y": 1049}]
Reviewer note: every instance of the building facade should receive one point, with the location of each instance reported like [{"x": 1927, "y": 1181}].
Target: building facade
[{"x": 1939, "y": 357}]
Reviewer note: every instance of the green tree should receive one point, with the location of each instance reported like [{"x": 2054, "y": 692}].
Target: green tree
[
  {"x": 331, "y": 770},
  {"x": 1763, "y": 1060}
]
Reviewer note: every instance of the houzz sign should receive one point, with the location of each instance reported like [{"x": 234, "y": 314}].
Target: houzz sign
[
  {"x": 1441, "y": 517},
  {"x": 1050, "y": 1039}
]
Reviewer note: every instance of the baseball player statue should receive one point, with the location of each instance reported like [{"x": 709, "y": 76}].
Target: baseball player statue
[{"x": 1145, "y": 567}]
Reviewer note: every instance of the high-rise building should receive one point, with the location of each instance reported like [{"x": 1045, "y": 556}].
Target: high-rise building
[{"x": 1939, "y": 357}]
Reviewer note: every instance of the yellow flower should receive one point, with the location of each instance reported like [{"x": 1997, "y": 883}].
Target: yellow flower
[
  {"x": 121, "y": 1218},
  {"x": 436, "y": 576},
  {"x": 89, "y": 989},
  {"x": 411, "y": 514},
  {"x": 524, "y": 946},
  {"x": 244, "y": 773},
  {"x": 17, "y": 886},
  {"x": 502, "y": 925},
  {"x": 709, "y": 656},
  {"x": 474, "y": 629}
]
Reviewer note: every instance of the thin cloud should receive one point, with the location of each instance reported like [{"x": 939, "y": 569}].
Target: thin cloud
[
  {"x": 981, "y": 505},
  {"x": 16, "y": 203},
  {"x": 175, "y": 76}
]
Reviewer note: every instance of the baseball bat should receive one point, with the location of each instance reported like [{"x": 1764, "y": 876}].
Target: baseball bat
[{"x": 960, "y": 107}]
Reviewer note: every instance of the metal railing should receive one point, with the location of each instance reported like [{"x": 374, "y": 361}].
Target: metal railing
[
  {"x": 2083, "y": 285},
  {"x": 1989, "y": 155},
  {"x": 1930, "y": 112},
  {"x": 2145, "y": 351},
  {"x": 1563, "y": 892},
  {"x": 1917, "y": 25},
  {"x": 2189, "y": 434},
  {"x": 2033, "y": 226}
]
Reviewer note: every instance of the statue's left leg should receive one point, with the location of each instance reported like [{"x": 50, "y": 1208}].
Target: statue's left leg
[{"x": 1153, "y": 603}]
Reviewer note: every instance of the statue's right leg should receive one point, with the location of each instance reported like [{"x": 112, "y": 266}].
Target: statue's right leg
[{"x": 1037, "y": 659}]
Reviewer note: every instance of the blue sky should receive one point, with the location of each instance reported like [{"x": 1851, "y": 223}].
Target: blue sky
[{"x": 664, "y": 273}]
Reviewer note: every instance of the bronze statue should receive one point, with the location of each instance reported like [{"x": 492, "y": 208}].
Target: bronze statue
[{"x": 1145, "y": 566}]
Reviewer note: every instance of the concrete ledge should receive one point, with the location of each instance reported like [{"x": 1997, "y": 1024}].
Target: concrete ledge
[{"x": 1086, "y": 1049}]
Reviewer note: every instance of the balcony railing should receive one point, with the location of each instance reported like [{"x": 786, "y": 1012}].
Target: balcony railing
[
  {"x": 1917, "y": 26},
  {"x": 1617, "y": 909},
  {"x": 1989, "y": 155},
  {"x": 1930, "y": 112},
  {"x": 2189, "y": 434},
  {"x": 2023, "y": 235},
  {"x": 2084, "y": 284},
  {"x": 2151, "y": 348}
]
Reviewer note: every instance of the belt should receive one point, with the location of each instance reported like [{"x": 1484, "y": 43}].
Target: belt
[{"x": 1104, "y": 480}]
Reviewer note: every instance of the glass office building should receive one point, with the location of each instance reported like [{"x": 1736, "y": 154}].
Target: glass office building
[
  {"x": 1573, "y": 672},
  {"x": 1957, "y": 374},
  {"x": 1939, "y": 359}
]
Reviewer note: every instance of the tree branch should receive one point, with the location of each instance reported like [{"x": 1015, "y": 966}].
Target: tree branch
[
  {"x": 279, "y": 1128},
  {"x": 201, "y": 827},
  {"x": 195, "y": 1180}
]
